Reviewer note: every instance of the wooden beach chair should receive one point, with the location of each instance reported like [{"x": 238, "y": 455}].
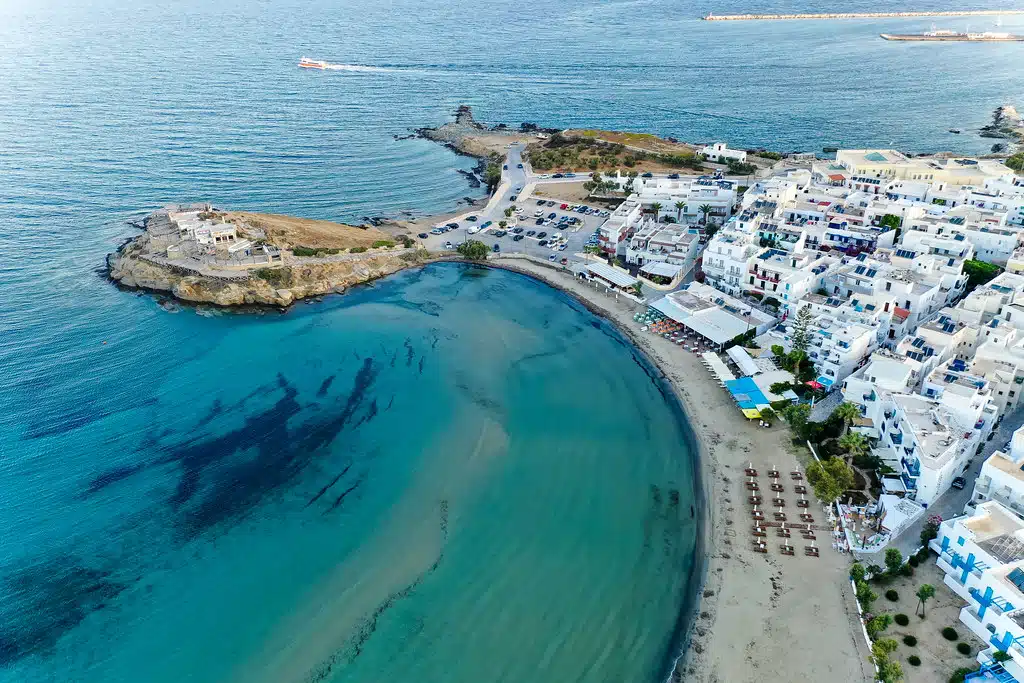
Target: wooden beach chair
[
  {"x": 800, "y": 488},
  {"x": 754, "y": 500},
  {"x": 786, "y": 549},
  {"x": 777, "y": 487}
]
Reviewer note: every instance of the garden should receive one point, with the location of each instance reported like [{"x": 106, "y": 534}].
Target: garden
[{"x": 913, "y": 620}]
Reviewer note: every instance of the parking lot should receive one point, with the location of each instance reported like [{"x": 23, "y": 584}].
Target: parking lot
[{"x": 541, "y": 228}]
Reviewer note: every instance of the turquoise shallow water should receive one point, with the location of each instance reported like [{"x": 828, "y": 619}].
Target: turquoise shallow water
[
  {"x": 506, "y": 493},
  {"x": 457, "y": 474}
]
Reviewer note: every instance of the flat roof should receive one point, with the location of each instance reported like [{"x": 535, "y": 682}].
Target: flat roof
[
  {"x": 661, "y": 268},
  {"x": 613, "y": 275}
]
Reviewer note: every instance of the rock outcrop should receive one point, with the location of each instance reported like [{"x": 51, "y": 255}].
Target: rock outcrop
[{"x": 278, "y": 285}]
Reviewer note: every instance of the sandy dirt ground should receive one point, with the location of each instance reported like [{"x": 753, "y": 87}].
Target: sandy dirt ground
[
  {"x": 289, "y": 231},
  {"x": 762, "y": 617},
  {"x": 567, "y": 192},
  {"x": 484, "y": 143},
  {"x": 939, "y": 657}
]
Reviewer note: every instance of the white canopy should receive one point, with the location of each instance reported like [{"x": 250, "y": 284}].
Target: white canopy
[
  {"x": 718, "y": 366},
  {"x": 661, "y": 268},
  {"x": 743, "y": 361},
  {"x": 612, "y": 275}
]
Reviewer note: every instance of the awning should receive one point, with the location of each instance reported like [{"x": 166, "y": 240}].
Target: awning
[
  {"x": 743, "y": 360},
  {"x": 661, "y": 268},
  {"x": 612, "y": 275},
  {"x": 815, "y": 385},
  {"x": 718, "y": 366},
  {"x": 751, "y": 414},
  {"x": 747, "y": 394}
]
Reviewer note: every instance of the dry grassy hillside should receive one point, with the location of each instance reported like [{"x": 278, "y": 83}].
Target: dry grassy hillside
[{"x": 289, "y": 231}]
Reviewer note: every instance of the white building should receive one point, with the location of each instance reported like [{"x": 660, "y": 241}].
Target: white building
[
  {"x": 982, "y": 556},
  {"x": 720, "y": 152},
  {"x": 1002, "y": 477}
]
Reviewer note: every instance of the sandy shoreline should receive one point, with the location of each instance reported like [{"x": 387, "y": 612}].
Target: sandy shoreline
[{"x": 758, "y": 616}]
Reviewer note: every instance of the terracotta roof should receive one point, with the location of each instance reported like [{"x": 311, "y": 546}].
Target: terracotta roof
[
  {"x": 837, "y": 176},
  {"x": 900, "y": 313}
]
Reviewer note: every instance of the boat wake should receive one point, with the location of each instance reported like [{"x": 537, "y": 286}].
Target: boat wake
[{"x": 358, "y": 67}]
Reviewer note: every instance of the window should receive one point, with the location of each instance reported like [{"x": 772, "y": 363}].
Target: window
[
  {"x": 960, "y": 540},
  {"x": 888, "y": 286}
]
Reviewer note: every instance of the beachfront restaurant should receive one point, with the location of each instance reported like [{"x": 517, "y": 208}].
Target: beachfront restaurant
[
  {"x": 710, "y": 323},
  {"x": 613, "y": 278}
]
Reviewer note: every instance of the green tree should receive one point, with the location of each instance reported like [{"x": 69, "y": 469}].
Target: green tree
[
  {"x": 778, "y": 351},
  {"x": 768, "y": 415},
  {"x": 924, "y": 593},
  {"x": 509, "y": 211},
  {"x": 656, "y": 209},
  {"x": 853, "y": 443},
  {"x": 979, "y": 272},
  {"x": 492, "y": 176},
  {"x": 930, "y": 530},
  {"x": 830, "y": 478},
  {"x": 797, "y": 415},
  {"x": 847, "y": 412},
  {"x": 893, "y": 561},
  {"x": 502, "y": 225},
  {"x": 857, "y": 572},
  {"x": 638, "y": 288},
  {"x": 706, "y": 210},
  {"x": 680, "y": 207},
  {"x": 475, "y": 250},
  {"x": 1016, "y": 162},
  {"x": 865, "y": 596},
  {"x": 878, "y": 624},
  {"x": 801, "y": 337}
]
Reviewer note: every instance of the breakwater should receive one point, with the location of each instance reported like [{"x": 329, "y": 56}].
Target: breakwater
[{"x": 861, "y": 15}]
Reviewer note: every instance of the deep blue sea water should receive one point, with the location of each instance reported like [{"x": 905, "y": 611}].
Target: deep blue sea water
[{"x": 453, "y": 474}]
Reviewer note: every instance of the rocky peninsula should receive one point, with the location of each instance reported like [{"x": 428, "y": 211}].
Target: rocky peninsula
[{"x": 200, "y": 254}]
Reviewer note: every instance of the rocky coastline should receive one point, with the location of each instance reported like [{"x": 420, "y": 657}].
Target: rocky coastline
[{"x": 141, "y": 263}]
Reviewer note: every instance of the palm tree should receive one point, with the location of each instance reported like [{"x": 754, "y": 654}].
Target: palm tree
[
  {"x": 509, "y": 211},
  {"x": 680, "y": 207},
  {"x": 502, "y": 224},
  {"x": 925, "y": 592},
  {"x": 706, "y": 209},
  {"x": 847, "y": 412},
  {"x": 656, "y": 209},
  {"x": 854, "y": 443}
]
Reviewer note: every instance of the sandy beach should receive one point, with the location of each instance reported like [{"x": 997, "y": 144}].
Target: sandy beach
[{"x": 761, "y": 617}]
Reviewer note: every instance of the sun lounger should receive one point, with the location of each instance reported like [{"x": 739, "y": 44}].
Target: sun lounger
[
  {"x": 750, "y": 471},
  {"x": 777, "y": 487},
  {"x": 758, "y": 531},
  {"x": 800, "y": 488},
  {"x": 806, "y": 517},
  {"x": 752, "y": 486},
  {"x": 780, "y": 516},
  {"x": 779, "y": 502},
  {"x": 754, "y": 500},
  {"x": 784, "y": 533},
  {"x": 796, "y": 475},
  {"x": 773, "y": 474},
  {"x": 760, "y": 548},
  {"x": 809, "y": 535},
  {"x": 802, "y": 503},
  {"x": 786, "y": 549},
  {"x": 811, "y": 551}
]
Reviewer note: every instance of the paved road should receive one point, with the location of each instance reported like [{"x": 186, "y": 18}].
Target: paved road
[
  {"x": 951, "y": 503},
  {"x": 514, "y": 182}
]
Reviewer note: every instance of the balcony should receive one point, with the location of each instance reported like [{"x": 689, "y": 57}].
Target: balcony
[{"x": 896, "y": 438}]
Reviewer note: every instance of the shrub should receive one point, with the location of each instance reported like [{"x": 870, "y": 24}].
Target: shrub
[
  {"x": 857, "y": 571},
  {"x": 357, "y": 250},
  {"x": 892, "y": 595},
  {"x": 274, "y": 276},
  {"x": 922, "y": 554},
  {"x": 1001, "y": 655},
  {"x": 914, "y": 660},
  {"x": 949, "y": 633},
  {"x": 901, "y": 619},
  {"x": 909, "y": 641},
  {"x": 907, "y": 570},
  {"x": 913, "y": 561},
  {"x": 961, "y": 673},
  {"x": 963, "y": 648},
  {"x": 383, "y": 243}
]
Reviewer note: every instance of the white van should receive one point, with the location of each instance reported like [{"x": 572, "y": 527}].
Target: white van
[{"x": 473, "y": 230}]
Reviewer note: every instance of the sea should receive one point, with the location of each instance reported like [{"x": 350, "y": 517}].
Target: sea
[{"x": 453, "y": 474}]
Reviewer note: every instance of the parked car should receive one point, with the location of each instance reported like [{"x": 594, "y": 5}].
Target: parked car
[
  {"x": 564, "y": 260},
  {"x": 447, "y": 245},
  {"x": 513, "y": 198},
  {"x": 486, "y": 225},
  {"x": 552, "y": 215},
  {"x": 673, "y": 176},
  {"x": 517, "y": 238},
  {"x": 959, "y": 483},
  {"x": 563, "y": 207},
  {"x": 497, "y": 247},
  {"x": 531, "y": 233},
  {"x": 570, "y": 175},
  {"x": 647, "y": 175},
  {"x": 437, "y": 231},
  {"x": 472, "y": 219},
  {"x": 541, "y": 234},
  {"x": 519, "y": 165},
  {"x": 505, "y": 167},
  {"x": 558, "y": 175},
  {"x": 473, "y": 230},
  {"x": 540, "y": 202},
  {"x": 552, "y": 257},
  {"x": 543, "y": 243},
  {"x": 550, "y": 203},
  {"x": 453, "y": 226},
  {"x": 539, "y": 221},
  {"x": 422, "y": 235},
  {"x": 500, "y": 233}
]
